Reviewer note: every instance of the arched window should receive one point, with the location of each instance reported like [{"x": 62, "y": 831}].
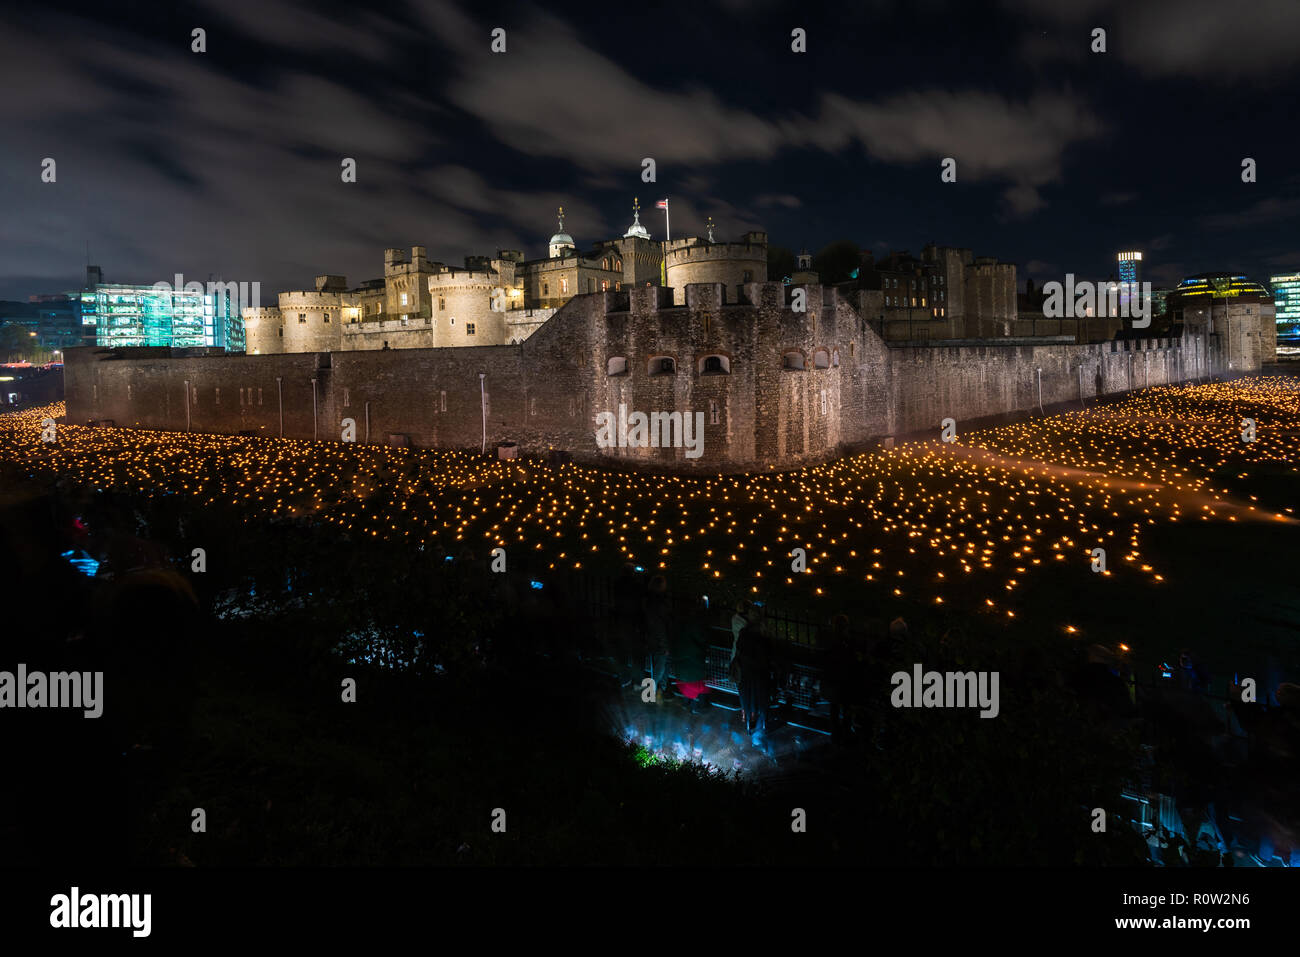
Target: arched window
[
  {"x": 835, "y": 358},
  {"x": 821, "y": 359},
  {"x": 793, "y": 361},
  {"x": 617, "y": 365},
  {"x": 715, "y": 365},
  {"x": 564, "y": 286},
  {"x": 662, "y": 365},
  {"x": 604, "y": 264}
]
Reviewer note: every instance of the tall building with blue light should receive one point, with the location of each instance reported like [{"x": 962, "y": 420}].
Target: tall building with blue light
[
  {"x": 1130, "y": 266},
  {"x": 1130, "y": 273},
  {"x": 1286, "y": 298}
]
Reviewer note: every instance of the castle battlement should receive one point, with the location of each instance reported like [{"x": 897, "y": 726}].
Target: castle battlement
[{"x": 777, "y": 388}]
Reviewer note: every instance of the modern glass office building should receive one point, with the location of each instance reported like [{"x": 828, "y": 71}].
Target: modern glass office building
[
  {"x": 1286, "y": 298},
  {"x": 126, "y": 315}
]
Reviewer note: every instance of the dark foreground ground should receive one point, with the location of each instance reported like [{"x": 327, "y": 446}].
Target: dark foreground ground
[{"x": 241, "y": 715}]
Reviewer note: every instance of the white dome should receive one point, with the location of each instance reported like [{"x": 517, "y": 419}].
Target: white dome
[{"x": 636, "y": 230}]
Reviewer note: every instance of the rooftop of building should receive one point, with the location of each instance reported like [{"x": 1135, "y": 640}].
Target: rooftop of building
[{"x": 1221, "y": 285}]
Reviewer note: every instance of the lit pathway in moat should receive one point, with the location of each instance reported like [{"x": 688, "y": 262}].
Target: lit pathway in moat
[{"x": 965, "y": 526}]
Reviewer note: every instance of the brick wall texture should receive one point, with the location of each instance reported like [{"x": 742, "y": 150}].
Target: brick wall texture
[{"x": 777, "y": 388}]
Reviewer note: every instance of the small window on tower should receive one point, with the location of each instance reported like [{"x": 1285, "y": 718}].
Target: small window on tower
[
  {"x": 564, "y": 287},
  {"x": 469, "y": 328},
  {"x": 546, "y": 289},
  {"x": 442, "y": 303}
]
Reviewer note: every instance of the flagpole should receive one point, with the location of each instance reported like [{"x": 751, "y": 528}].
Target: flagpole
[{"x": 668, "y": 230}]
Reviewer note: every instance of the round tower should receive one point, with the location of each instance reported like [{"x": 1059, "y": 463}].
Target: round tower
[
  {"x": 263, "y": 331},
  {"x": 462, "y": 308},
  {"x": 700, "y": 261},
  {"x": 311, "y": 321}
]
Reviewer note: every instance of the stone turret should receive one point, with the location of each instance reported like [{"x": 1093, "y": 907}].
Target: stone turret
[{"x": 731, "y": 264}]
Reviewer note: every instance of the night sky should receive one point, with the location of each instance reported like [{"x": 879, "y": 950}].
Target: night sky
[{"x": 227, "y": 163}]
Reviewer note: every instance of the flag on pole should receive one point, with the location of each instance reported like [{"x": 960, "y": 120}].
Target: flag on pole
[{"x": 662, "y": 204}]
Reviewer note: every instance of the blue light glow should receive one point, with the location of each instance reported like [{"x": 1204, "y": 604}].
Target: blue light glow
[{"x": 84, "y": 564}]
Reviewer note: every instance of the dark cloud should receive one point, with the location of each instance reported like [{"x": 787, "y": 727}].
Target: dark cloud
[
  {"x": 228, "y": 162},
  {"x": 1262, "y": 212},
  {"x": 1248, "y": 39}
]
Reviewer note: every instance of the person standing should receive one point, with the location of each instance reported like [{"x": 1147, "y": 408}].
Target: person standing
[
  {"x": 629, "y": 631},
  {"x": 689, "y": 648},
  {"x": 754, "y": 653},
  {"x": 658, "y": 633},
  {"x": 742, "y": 617}
]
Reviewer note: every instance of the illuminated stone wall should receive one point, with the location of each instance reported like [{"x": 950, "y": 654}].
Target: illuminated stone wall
[{"x": 776, "y": 388}]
